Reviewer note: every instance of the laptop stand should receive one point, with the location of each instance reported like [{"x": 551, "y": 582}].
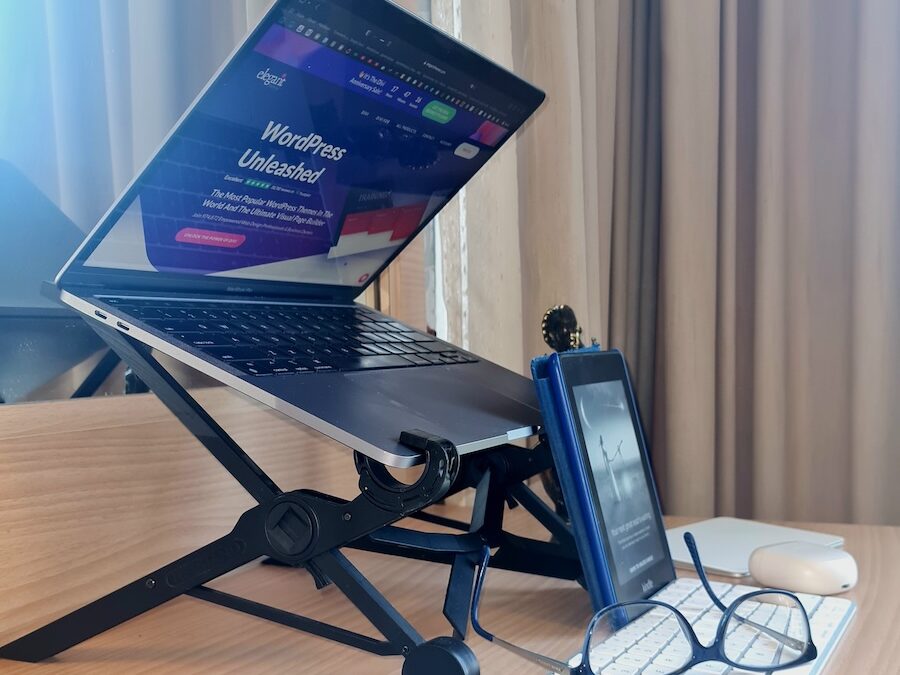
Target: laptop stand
[{"x": 307, "y": 529}]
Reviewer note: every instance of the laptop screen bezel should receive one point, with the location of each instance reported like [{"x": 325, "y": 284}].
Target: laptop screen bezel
[{"x": 379, "y": 13}]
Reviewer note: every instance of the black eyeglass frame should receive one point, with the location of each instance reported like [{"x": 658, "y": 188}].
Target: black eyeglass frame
[{"x": 700, "y": 653}]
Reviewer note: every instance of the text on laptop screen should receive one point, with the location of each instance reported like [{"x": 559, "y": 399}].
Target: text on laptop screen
[{"x": 312, "y": 158}]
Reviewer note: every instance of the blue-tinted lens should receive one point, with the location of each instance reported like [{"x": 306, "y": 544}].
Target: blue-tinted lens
[
  {"x": 767, "y": 629},
  {"x": 638, "y": 637}
]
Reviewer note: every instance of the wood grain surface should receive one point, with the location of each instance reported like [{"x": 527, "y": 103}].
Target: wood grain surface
[{"x": 95, "y": 493}]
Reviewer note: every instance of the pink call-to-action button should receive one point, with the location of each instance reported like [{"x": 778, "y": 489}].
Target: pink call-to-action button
[{"x": 194, "y": 235}]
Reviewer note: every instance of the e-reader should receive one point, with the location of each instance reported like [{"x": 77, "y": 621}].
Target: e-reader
[{"x": 592, "y": 424}]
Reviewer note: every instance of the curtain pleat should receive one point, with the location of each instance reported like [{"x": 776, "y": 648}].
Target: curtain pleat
[
  {"x": 874, "y": 322},
  {"x": 115, "y": 35},
  {"x": 105, "y": 81},
  {"x": 552, "y": 235},
  {"x": 27, "y": 126},
  {"x": 80, "y": 119},
  {"x": 684, "y": 420}
]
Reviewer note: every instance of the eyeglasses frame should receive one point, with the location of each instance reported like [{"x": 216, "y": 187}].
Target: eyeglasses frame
[{"x": 700, "y": 653}]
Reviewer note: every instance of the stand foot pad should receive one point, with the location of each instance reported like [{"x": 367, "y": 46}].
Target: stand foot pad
[{"x": 441, "y": 656}]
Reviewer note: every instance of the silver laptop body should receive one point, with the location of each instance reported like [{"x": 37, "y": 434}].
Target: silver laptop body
[{"x": 329, "y": 138}]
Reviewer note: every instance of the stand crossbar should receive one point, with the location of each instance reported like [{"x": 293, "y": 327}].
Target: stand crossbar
[{"x": 308, "y": 529}]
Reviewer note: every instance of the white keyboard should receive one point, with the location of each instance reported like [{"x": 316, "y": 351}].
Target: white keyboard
[{"x": 828, "y": 619}]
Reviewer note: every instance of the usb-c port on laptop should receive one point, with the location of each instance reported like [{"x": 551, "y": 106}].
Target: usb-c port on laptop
[
  {"x": 122, "y": 325},
  {"x": 100, "y": 314}
]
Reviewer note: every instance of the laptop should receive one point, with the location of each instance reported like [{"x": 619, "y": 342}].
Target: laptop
[{"x": 330, "y": 137}]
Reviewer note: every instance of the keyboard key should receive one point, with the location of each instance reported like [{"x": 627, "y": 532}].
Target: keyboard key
[
  {"x": 298, "y": 367},
  {"x": 373, "y": 337},
  {"x": 416, "y": 360},
  {"x": 236, "y": 353},
  {"x": 289, "y": 351},
  {"x": 145, "y": 312},
  {"x": 629, "y": 659},
  {"x": 367, "y": 362},
  {"x": 205, "y": 339},
  {"x": 418, "y": 337},
  {"x": 255, "y": 367},
  {"x": 620, "y": 669},
  {"x": 708, "y": 668},
  {"x": 173, "y": 325}
]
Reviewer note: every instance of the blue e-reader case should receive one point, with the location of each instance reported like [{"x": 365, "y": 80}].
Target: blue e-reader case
[{"x": 575, "y": 478}]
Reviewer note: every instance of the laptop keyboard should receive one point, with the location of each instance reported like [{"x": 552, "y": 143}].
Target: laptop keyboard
[{"x": 265, "y": 340}]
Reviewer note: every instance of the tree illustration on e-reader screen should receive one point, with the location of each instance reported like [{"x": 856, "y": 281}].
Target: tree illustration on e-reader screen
[{"x": 625, "y": 501}]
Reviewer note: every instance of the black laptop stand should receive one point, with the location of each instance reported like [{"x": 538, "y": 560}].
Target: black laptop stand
[{"x": 308, "y": 529}]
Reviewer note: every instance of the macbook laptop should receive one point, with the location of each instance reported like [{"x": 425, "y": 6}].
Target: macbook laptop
[{"x": 329, "y": 138}]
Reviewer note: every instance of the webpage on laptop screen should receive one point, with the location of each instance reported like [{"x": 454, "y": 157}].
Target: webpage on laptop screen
[{"x": 312, "y": 158}]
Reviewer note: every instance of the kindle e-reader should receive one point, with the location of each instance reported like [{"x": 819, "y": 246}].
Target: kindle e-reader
[{"x": 596, "y": 438}]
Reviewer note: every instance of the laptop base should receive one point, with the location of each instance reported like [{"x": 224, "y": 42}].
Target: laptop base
[{"x": 308, "y": 529}]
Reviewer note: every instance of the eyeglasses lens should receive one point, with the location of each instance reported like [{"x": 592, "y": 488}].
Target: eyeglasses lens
[
  {"x": 622, "y": 638},
  {"x": 767, "y": 629}
]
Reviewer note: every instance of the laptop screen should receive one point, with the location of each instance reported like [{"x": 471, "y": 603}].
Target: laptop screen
[{"x": 327, "y": 142}]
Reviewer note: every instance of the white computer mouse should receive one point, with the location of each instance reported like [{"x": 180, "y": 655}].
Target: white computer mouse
[{"x": 804, "y": 568}]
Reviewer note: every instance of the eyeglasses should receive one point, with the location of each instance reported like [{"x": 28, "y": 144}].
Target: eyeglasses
[{"x": 761, "y": 631}]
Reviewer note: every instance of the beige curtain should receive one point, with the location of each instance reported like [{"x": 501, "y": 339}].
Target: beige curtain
[
  {"x": 712, "y": 185},
  {"x": 100, "y": 85}
]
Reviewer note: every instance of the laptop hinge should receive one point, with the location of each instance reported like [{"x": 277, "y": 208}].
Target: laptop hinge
[{"x": 98, "y": 290}]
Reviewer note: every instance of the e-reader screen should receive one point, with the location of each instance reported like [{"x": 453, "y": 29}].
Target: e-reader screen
[{"x": 634, "y": 537}]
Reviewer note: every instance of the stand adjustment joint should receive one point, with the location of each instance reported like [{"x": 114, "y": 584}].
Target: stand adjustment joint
[{"x": 388, "y": 493}]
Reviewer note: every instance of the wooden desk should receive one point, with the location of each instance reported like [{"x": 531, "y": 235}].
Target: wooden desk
[{"x": 95, "y": 493}]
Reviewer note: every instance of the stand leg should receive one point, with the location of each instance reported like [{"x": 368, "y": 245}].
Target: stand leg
[
  {"x": 458, "y": 599},
  {"x": 98, "y": 375},
  {"x": 295, "y": 621},
  {"x": 213, "y": 560},
  {"x": 536, "y": 557},
  {"x": 368, "y": 600},
  {"x": 191, "y": 414},
  {"x": 544, "y": 514}
]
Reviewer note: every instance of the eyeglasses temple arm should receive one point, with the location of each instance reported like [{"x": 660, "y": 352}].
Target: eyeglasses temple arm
[
  {"x": 695, "y": 557},
  {"x": 793, "y": 643},
  {"x": 545, "y": 661},
  {"x": 476, "y": 596},
  {"x": 691, "y": 544}
]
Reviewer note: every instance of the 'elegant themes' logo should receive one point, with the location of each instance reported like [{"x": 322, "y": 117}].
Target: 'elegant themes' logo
[{"x": 271, "y": 79}]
